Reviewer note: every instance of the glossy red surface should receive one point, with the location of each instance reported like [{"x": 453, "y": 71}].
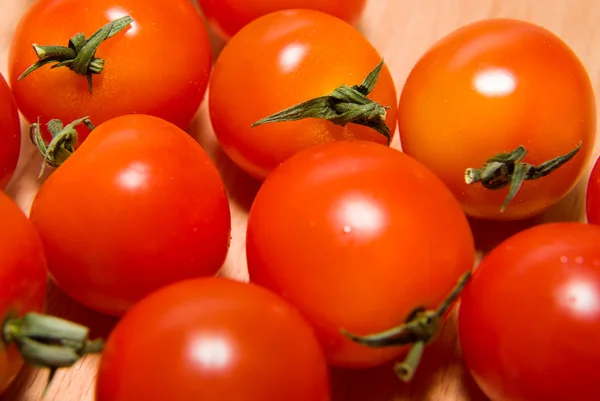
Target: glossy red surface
[{"x": 529, "y": 319}]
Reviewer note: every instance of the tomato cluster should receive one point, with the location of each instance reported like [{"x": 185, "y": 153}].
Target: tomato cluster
[{"x": 357, "y": 252}]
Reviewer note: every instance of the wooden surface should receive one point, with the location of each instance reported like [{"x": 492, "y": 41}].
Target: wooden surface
[{"x": 401, "y": 30}]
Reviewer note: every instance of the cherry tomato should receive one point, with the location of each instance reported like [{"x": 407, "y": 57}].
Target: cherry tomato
[
  {"x": 139, "y": 205},
  {"x": 22, "y": 278},
  {"x": 10, "y": 134},
  {"x": 488, "y": 88},
  {"x": 593, "y": 195},
  {"x": 530, "y": 317},
  {"x": 215, "y": 339},
  {"x": 357, "y": 235},
  {"x": 304, "y": 54},
  {"x": 227, "y": 17},
  {"x": 158, "y": 65}
]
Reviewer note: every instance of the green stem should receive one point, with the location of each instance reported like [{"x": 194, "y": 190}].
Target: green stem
[
  {"x": 62, "y": 145},
  {"x": 79, "y": 56},
  {"x": 420, "y": 328},
  {"x": 509, "y": 170},
  {"x": 342, "y": 106},
  {"x": 406, "y": 369},
  {"x": 48, "y": 341}
]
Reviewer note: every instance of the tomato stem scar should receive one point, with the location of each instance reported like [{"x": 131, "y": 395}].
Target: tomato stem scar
[
  {"x": 508, "y": 169},
  {"x": 342, "y": 106},
  {"x": 48, "y": 341},
  {"x": 79, "y": 56},
  {"x": 62, "y": 145},
  {"x": 420, "y": 327}
]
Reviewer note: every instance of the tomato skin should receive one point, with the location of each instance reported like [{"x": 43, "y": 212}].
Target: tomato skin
[
  {"x": 227, "y": 17},
  {"x": 357, "y": 235},
  {"x": 203, "y": 336},
  {"x": 10, "y": 134},
  {"x": 490, "y": 87},
  {"x": 592, "y": 198},
  {"x": 530, "y": 317},
  {"x": 139, "y": 205},
  {"x": 23, "y": 278},
  {"x": 304, "y": 54},
  {"x": 158, "y": 66}
]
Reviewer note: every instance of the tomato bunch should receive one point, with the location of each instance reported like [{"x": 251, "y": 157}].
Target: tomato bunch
[{"x": 357, "y": 252}]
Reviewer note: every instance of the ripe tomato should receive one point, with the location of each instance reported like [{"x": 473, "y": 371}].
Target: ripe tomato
[
  {"x": 488, "y": 88},
  {"x": 303, "y": 55},
  {"x": 530, "y": 317},
  {"x": 593, "y": 195},
  {"x": 139, "y": 205},
  {"x": 10, "y": 134},
  {"x": 227, "y": 17},
  {"x": 202, "y": 334},
  {"x": 357, "y": 235},
  {"x": 158, "y": 65},
  {"x": 22, "y": 278}
]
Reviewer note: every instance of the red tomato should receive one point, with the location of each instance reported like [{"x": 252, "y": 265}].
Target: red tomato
[
  {"x": 357, "y": 235},
  {"x": 227, "y": 17},
  {"x": 530, "y": 317},
  {"x": 490, "y": 87},
  {"x": 10, "y": 134},
  {"x": 158, "y": 65},
  {"x": 22, "y": 278},
  {"x": 303, "y": 55},
  {"x": 214, "y": 339},
  {"x": 139, "y": 205},
  {"x": 593, "y": 195}
]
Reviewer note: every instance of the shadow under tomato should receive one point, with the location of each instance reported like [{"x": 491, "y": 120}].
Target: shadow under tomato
[
  {"x": 440, "y": 375},
  {"x": 489, "y": 234},
  {"x": 60, "y": 304},
  {"x": 216, "y": 42},
  {"x": 241, "y": 188}
]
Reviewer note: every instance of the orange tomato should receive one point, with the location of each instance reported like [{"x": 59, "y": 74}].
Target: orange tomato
[
  {"x": 490, "y": 87},
  {"x": 278, "y": 61},
  {"x": 227, "y": 17},
  {"x": 158, "y": 65}
]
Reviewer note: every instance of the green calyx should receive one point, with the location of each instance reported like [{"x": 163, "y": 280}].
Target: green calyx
[
  {"x": 342, "y": 106},
  {"x": 49, "y": 342},
  {"x": 419, "y": 328},
  {"x": 79, "y": 56},
  {"x": 508, "y": 169},
  {"x": 62, "y": 145}
]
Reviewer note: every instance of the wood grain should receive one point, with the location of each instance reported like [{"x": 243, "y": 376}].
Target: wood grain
[{"x": 401, "y": 30}]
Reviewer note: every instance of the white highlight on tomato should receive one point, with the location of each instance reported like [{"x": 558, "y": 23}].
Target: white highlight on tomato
[
  {"x": 134, "y": 176},
  {"x": 360, "y": 214},
  {"x": 210, "y": 352},
  {"x": 495, "y": 82},
  {"x": 291, "y": 56},
  {"x": 116, "y": 13},
  {"x": 580, "y": 297}
]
